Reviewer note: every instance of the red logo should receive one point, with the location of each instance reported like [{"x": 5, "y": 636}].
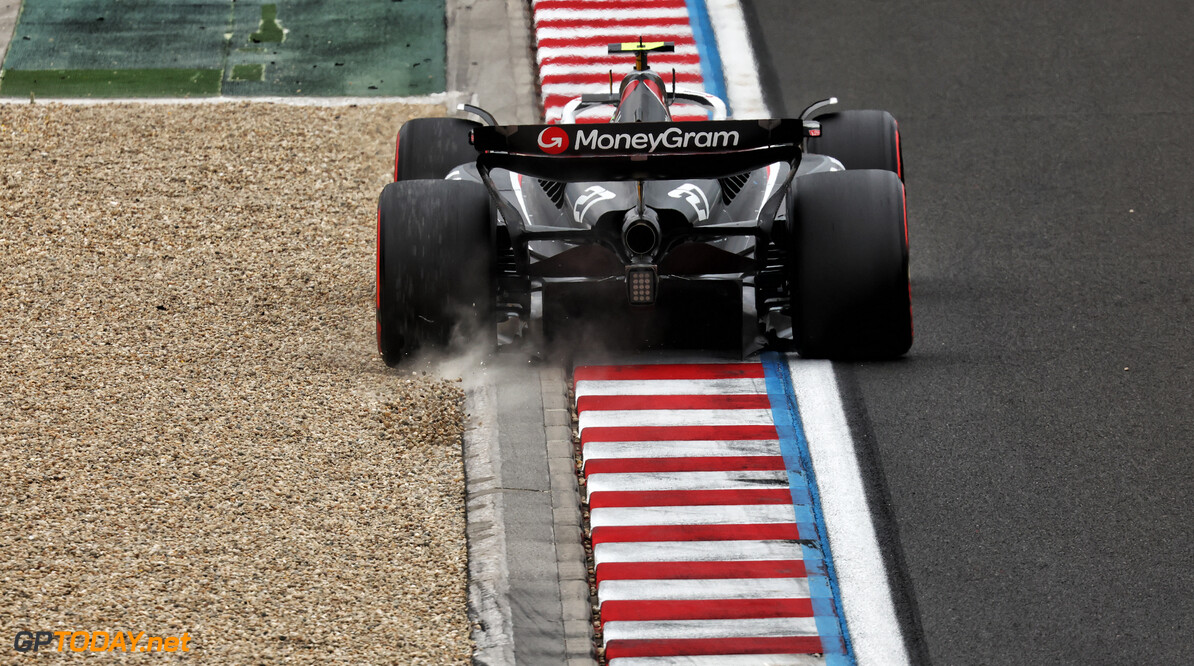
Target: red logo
[{"x": 553, "y": 140}]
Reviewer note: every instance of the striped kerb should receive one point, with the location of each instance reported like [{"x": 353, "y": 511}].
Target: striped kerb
[
  {"x": 705, "y": 543},
  {"x": 572, "y": 38}
]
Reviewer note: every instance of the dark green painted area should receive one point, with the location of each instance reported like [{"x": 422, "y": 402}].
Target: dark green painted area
[
  {"x": 111, "y": 82},
  {"x": 119, "y": 34},
  {"x": 117, "y": 48},
  {"x": 349, "y": 47}
]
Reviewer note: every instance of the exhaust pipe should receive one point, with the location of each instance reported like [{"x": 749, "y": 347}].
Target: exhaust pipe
[{"x": 641, "y": 233}]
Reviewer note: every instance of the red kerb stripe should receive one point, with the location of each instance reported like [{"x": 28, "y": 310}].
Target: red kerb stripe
[
  {"x": 676, "y": 433},
  {"x": 704, "y": 609},
  {"x": 660, "y": 62},
  {"x": 698, "y": 646},
  {"x": 709, "y": 464},
  {"x": 670, "y": 371},
  {"x": 699, "y": 570},
  {"x": 612, "y": 37},
  {"x": 636, "y": 533},
  {"x": 607, "y": 4},
  {"x": 626, "y": 402},
  {"x": 617, "y": 498}
]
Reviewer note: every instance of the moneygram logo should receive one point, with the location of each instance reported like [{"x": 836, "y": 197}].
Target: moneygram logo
[
  {"x": 553, "y": 140},
  {"x": 672, "y": 138}
]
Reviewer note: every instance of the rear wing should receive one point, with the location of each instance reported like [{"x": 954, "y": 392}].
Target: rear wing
[
  {"x": 638, "y": 151},
  {"x": 641, "y": 151}
]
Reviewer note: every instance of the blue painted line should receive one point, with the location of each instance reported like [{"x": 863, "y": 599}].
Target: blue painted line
[
  {"x": 793, "y": 445},
  {"x": 706, "y": 42}
]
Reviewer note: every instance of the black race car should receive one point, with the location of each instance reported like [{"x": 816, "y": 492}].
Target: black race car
[{"x": 489, "y": 231}]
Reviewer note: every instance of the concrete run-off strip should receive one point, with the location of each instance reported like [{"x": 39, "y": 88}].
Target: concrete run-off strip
[{"x": 102, "y": 48}]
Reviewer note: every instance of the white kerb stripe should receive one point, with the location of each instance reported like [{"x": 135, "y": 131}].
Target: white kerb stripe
[
  {"x": 732, "y": 480},
  {"x": 589, "y": 52},
  {"x": 671, "y": 387},
  {"x": 735, "y": 514},
  {"x": 723, "y": 660},
  {"x": 656, "y": 31},
  {"x": 573, "y": 89},
  {"x": 612, "y": 418},
  {"x": 681, "y": 449},
  {"x": 552, "y": 69},
  {"x": 696, "y": 551},
  {"x": 646, "y": 12},
  {"x": 683, "y": 629},
  {"x": 688, "y": 589},
  {"x": 870, "y": 614}
]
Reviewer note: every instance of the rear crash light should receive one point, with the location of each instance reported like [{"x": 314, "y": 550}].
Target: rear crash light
[{"x": 642, "y": 282}]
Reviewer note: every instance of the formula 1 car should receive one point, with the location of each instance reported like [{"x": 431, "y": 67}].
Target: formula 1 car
[{"x": 487, "y": 225}]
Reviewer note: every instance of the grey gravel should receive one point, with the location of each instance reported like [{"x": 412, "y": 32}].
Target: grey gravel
[{"x": 196, "y": 433}]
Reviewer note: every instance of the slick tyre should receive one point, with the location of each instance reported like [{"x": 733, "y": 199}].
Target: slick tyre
[
  {"x": 860, "y": 140},
  {"x": 848, "y": 266},
  {"x": 429, "y": 148},
  {"x": 435, "y": 268}
]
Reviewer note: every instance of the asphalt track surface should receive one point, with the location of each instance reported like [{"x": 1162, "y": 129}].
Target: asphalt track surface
[{"x": 1036, "y": 444}]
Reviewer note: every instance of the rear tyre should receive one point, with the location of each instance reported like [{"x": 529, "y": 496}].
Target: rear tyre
[
  {"x": 860, "y": 140},
  {"x": 429, "y": 148},
  {"x": 848, "y": 266},
  {"x": 435, "y": 267}
]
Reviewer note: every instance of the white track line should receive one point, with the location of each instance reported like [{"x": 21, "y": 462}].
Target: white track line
[
  {"x": 862, "y": 578},
  {"x": 737, "y": 59}
]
